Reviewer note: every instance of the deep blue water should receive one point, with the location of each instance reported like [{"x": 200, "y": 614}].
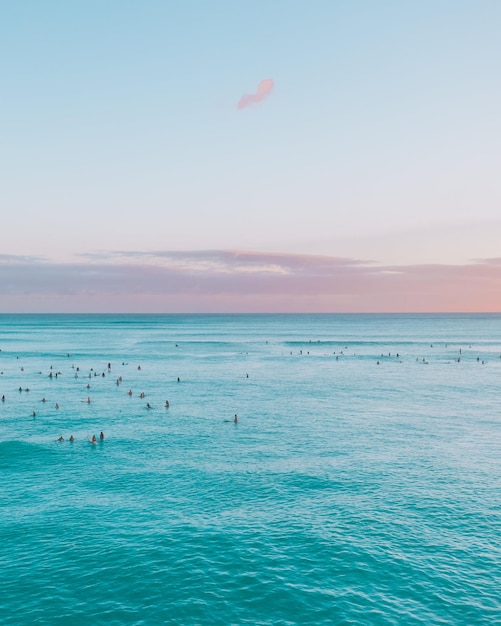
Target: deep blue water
[{"x": 358, "y": 486}]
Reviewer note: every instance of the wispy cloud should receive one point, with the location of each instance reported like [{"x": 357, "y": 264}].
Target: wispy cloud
[
  {"x": 222, "y": 280},
  {"x": 264, "y": 89},
  {"x": 18, "y": 258}
]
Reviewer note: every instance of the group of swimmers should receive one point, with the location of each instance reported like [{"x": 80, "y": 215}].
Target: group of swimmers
[
  {"x": 92, "y": 439},
  {"x": 119, "y": 381}
]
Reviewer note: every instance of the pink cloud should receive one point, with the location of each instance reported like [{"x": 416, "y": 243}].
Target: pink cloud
[
  {"x": 243, "y": 281},
  {"x": 264, "y": 89}
]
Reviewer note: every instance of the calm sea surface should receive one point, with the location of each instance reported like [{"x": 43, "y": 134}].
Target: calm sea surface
[{"x": 361, "y": 484}]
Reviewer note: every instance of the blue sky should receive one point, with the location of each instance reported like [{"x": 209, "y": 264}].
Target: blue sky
[{"x": 380, "y": 142}]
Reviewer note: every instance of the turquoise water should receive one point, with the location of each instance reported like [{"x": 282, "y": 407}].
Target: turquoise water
[{"x": 349, "y": 492}]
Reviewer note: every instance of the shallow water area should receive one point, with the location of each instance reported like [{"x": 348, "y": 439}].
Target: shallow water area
[{"x": 361, "y": 483}]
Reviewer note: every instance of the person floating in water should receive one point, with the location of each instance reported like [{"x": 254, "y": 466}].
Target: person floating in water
[
  {"x": 101, "y": 436},
  {"x": 167, "y": 405},
  {"x": 93, "y": 440},
  {"x": 72, "y": 439},
  {"x": 235, "y": 419}
]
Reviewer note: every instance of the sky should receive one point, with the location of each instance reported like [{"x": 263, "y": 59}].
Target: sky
[{"x": 273, "y": 155}]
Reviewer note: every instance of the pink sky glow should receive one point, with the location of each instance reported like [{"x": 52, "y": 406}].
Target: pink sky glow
[
  {"x": 235, "y": 281},
  {"x": 358, "y": 143}
]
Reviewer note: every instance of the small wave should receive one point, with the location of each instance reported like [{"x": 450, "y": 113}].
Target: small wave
[
  {"x": 17, "y": 453},
  {"x": 346, "y": 343}
]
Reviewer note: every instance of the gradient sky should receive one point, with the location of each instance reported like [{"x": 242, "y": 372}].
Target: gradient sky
[{"x": 270, "y": 155}]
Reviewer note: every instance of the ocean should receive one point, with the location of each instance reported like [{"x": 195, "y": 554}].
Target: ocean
[{"x": 359, "y": 485}]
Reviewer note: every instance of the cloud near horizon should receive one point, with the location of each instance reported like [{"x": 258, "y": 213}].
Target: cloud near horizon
[
  {"x": 239, "y": 281},
  {"x": 264, "y": 89}
]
